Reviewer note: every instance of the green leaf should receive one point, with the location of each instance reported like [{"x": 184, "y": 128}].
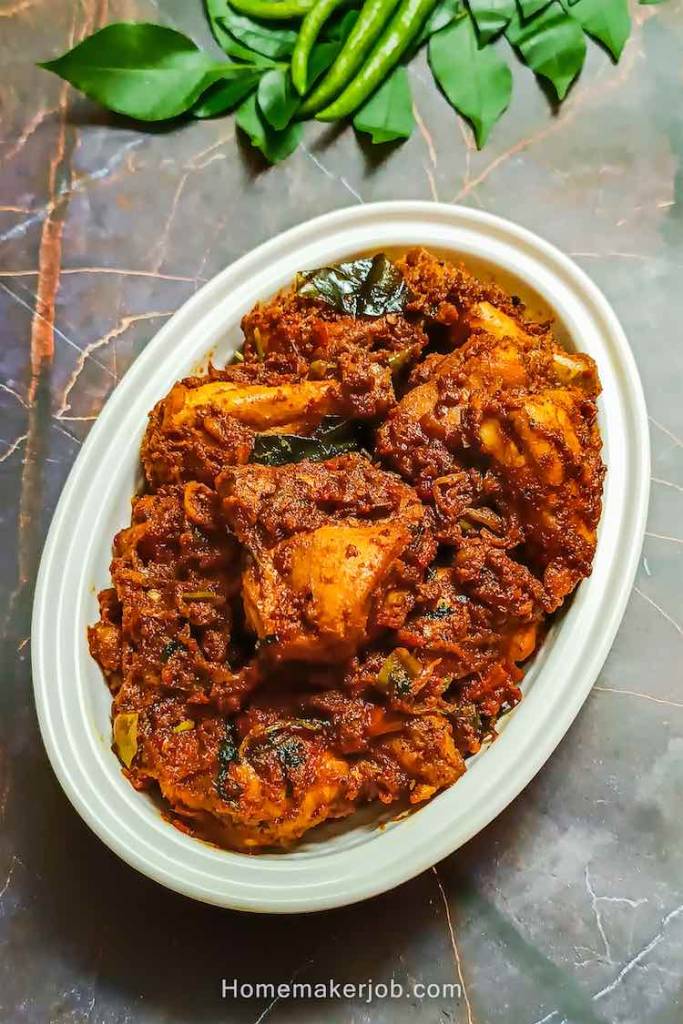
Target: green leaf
[
  {"x": 214, "y": 10},
  {"x": 338, "y": 28},
  {"x": 388, "y": 114},
  {"x": 247, "y": 56},
  {"x": 322, "y": 57},
  {"x": 145, "y": 71},
  {"x": 274, "y": 145},
  {"x": 270, "y": 40},
  {"x": 531, "y": 7},
  {"x": 332, "y": 437},
  {"x": 491, "y": 16},
  {"x": 277, "y": 99},
  {"x": 478, "y": 83},
  {"x": 224, "y": 96},
  {"x": 443, "y": 14},
  {"x": 607, "y": 21},
  {"x": 552, "y": 44},
  {"x": 370, "y": 286}
]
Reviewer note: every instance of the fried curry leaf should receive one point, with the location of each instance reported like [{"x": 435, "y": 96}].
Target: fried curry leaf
[
  {"x": 275, "y": 145},
  {"x": 332, "y": 437},
  {"x": 608, "y": 21},
  {"x": 227, "y": 753},
  {"x": 552, "y": 44},
  {"x": 267, "y": 39},
  {"x": 388, "y": 114},
  {"x": 491, "y": 16},
  {"x": 370, "y": 286},
  {"x": 144, "y": 71},
  {"x": 125, "y": 730},
  {"x": 277, "y": 98},
  {"x": 477, "y": 82}
]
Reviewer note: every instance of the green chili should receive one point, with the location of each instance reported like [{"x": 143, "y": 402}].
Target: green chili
[
  {"x": 372, "y": 18},
  {"x": 273, "y": 10},
  {"x": 396, "y": 39},
  {"x": 308, "y": 34}
]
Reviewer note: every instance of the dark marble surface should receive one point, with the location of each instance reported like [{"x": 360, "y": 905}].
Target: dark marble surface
[{"x": 570, "y": 906}]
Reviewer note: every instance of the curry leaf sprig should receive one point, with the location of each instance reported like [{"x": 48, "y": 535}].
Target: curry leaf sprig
[{"x": 285, "y": 61}]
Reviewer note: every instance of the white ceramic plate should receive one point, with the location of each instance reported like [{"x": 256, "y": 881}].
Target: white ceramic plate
[{"x": 352, "y": 860}]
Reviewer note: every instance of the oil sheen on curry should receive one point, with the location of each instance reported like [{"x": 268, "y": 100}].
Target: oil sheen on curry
[{"x": 349, "y": 544}]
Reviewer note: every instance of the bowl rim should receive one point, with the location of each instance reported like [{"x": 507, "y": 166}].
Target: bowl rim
[{"x": 288, "y": 884}]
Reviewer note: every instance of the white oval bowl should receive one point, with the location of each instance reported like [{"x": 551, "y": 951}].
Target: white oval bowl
[{"x": 354, "y": 859}]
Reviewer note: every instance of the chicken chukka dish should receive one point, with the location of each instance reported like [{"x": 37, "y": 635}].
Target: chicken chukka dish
[{"x": 349, "y": 543}]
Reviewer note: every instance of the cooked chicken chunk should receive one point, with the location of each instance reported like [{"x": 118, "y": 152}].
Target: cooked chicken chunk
[
  {"x": 327, "y": 543},
  {"x": 205, "y": 423},
  {"x": 516, "y": 404}
]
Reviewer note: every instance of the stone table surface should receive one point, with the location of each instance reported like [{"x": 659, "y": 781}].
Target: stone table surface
[{"x": 569, "y": 907}]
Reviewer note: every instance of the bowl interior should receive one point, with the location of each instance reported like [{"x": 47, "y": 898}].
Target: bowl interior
[{"x": 364, "y": 826}]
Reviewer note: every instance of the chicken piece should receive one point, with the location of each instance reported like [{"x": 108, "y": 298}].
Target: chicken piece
[
  {"x": 206, "y": 423},
  {"x": 517, "y": 405},
  {"x": 265, "y": 779},
  {"x": 313, "y": 331},
  {"x": 442, "y": 292},
  {"x": 328, "y": 543},
  {"x": 286, "y": 408},
  {"x": 167, "y": 622}
]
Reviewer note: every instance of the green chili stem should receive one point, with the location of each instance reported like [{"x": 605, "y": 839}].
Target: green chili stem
[{"x": 396, "y": 39}]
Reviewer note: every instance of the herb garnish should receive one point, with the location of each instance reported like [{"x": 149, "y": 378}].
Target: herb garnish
[
  {"x": 350, "y": 64},
  {"x": 369, "y": 286},
  {"x": 333, "y": 437}
]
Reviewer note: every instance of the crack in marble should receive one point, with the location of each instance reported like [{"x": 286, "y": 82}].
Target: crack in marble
[
  {"x": 432, "y": 182},
  {"x": 63, "y": 430},
  {"x": 66, "y": 192},
  {"x": 643, "y": 696},
  {"x": 630, "y": 965},
  {"x": 273, "y": 1003},
  {"x": 116, "y": 271},
  {"x": 666, "y": 483},
  {"x": 13, "y": 863},
  {"x": 640, "y": 257},
  {"x": 13, "y": 445},
  {"x": 570, "y": 109},
  {"x": 29, "y": 130},
  {"x": 426, "y": 135},
  {"x": 116, "y": 332},
  {"x": 635, "y": 960},
  {"x": 454, "y": 947},
  {"x": 57, "y": 331},
  {"x": 664, "y": 536},
  {"x": 16, "y": 8},
  {"x": 340, "y": 179},
  {"x": 665, "y": 430},
  {"x": 665, "y": 615},
  {"x": 595, "y": 901},
  {"x": 194, "y": 164},
  {"x": 13, "y": 393}
]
